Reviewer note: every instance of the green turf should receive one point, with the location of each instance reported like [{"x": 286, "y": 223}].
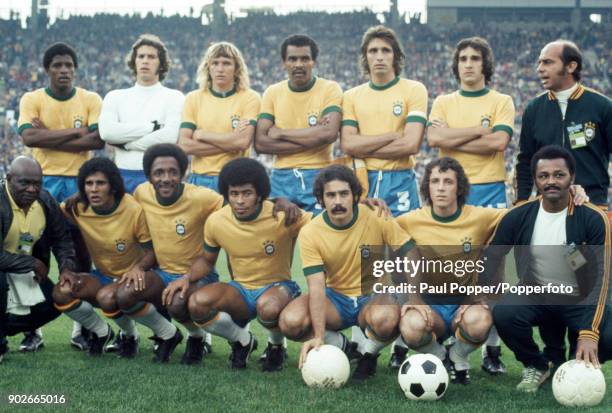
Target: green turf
[{"x": 108, "y": 384}]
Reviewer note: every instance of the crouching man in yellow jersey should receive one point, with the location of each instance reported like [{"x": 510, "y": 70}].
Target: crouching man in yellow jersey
[
  {"x": 117, "y": 237},
  {"x": 331, "y": 248},
  {"x": 259, "y": 248}
]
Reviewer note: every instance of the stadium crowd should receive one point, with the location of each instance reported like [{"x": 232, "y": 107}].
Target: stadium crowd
[{"x": 103, "y": 40}]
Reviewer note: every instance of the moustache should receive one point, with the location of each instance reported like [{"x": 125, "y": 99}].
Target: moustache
[
  {"x": 338, "y": 209},
  {"x": 546, "y": 188}
]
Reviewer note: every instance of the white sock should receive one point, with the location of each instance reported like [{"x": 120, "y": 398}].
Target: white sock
[
  {"x": 334, "y": 338},
  {"x": 275, "y": 337},
  {"x": 86, "y": 315},
  {"x": 224, "y": 326},
  {"x": 459, "y": 352},
  {"x": 76, "y": 329},
  {"x": 433, "y": 347},
  {"x": 398, "y": 342},
  {"x": 371, "y": 344},
  {"x": 149, "y": 317},
  {"x": 208, "y": 338},
  {"x": 193, "y": 330},
  {"x": 39, "y": 332},
  {"x": 493, "y": 340},
  {"x": 357, "y": 335},
  {"x": 127, "y": 326}
]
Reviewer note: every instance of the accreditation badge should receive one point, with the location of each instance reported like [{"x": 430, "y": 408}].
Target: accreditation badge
[{"x": 577, "y": 136}]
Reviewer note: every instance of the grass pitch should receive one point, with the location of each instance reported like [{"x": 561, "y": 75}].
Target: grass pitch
[{"x": 109, "y": 384}]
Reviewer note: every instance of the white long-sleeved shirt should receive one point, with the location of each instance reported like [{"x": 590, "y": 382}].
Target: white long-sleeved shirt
[{"x": 127, "y": 118}]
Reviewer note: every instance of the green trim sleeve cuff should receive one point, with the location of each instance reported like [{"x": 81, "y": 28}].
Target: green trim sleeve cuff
[
  {"x": 350, "y": 122},
  {"x": 209, "y": 248},
  {"x": 331, "y": 109},
  {"x": 504, "y": 128},
  {"x": 188, "y": 125},
  {"x": 418, "y": 119},
  {"x": 313, "y": 270},
  {"x": 264, "y": 115},
  {"x": 24, "y": 127}
]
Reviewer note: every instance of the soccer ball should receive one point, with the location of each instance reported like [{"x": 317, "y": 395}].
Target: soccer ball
[
  {"x": 576, "y": 385},
  {"x": 326, "y": 366},
  {"x": 423, "y": 377}
]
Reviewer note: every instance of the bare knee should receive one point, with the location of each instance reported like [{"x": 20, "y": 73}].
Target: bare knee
[
  {"x": 476, "y": 323},
  {"x": 125, "y": 298},
  {"x": 294, "y": 324},
  {"x": 107, "y": 299},
  {"x": 269, "y": 310},
  {"x": 413, "y": 328},
  {"x": 62, "y": 295},
  {"x": 383, "y": 321},
  {"x": 198, "y": 306}
]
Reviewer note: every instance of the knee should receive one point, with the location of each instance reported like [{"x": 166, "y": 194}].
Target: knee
[
  {"x": 412, "y": 328},
  {"x": 384, "y": 323},
  {"x": 476, "y": 322},
  {"x": 198, "y": 305},
  {"x": 124, "y": 298},
  {"x": 62, "y": 295},
  {"x": 293, "y": 325},
  {"x": 268, "y": 310},
  {"x": 107, "y": 299}
]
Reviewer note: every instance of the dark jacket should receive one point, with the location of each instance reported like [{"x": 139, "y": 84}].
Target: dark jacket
[
  {"x": 55, "y": 237},
  {"x": 587, "y": 227},
  {"x": 543, "y": 124}
]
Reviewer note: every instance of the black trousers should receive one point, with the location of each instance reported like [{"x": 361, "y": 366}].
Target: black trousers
[
  {"x": 515, "y": 316},
  {"x": 40, "y": 314}
]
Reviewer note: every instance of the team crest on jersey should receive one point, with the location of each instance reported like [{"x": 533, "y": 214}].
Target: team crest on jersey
[
  {"x": 467, "y": 244},
  {"x": 398, "y": 108},
  {"x": 589, "y": 130},
  {"x": 180, "y": 227},
  {"x": 485, "y": 121},
  {"x": 77, "y": 122},
  {"x": 313, "y": 118},
  {"x": 235, "y": 120},
  {"x": 365, "y": 252},
  {"x": 120, "y": 245},
  {"x": 269, "y": 247}
]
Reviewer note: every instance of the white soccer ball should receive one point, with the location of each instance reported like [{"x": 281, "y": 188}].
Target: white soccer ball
[
  {"x": 326, "y": 366},
  {"x": 576, "y": 385},
  {"x": 423, "y": 377}
]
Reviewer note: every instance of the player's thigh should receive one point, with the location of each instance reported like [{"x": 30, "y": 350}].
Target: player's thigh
[
  {"x": 128, "y": 296},
  {"x": 220, "y": 297},
  {"x": 275, "y": 299}
]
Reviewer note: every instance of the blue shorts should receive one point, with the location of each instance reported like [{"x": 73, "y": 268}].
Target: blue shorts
[
  {"x": 207, "y": 181},
  {"x": 491, "y": 195},
  {"x": 446, "y": 311},
  {"x": 348, "y": 307},
  {"x": 103, "y": 278},
  {"x": 397, "y": 188},
  {"x": 60, "y": 187},
  {"x": 296, "y": 185},
  {"x": 168, "y": 277},
  {"x": 250, "y": 297},
  {"x": 132, "y": 178}
]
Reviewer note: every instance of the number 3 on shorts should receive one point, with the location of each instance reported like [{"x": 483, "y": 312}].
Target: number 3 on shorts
[{"x": 403, "y": 201}]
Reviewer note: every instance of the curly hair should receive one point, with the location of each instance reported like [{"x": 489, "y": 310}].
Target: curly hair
[
  {"x": 336, "y": 173},
  {"x": 230, "y": 51},
  {"x": 59, "y": 49},
  {"x": 300, "y": 40},
  {"x": 389, "y": 36},
  {"x": 164, "y": 149},
  {"x": 444, "y": 164},
  {"x": 243, "y": 171},
  {"x": 162, "y": 53},
  {"x": 480, "y": 44},
  {"x": 553, "y": 152},
  {"x": 110, "y": 171}
]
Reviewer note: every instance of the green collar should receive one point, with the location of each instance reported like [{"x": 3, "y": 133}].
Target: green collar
[
  {"x": 450, "y": 218},
  {"x": 386, "y": 85},
  {"x": 61, "y": 98},
  {"x": 222, "y": 94},
  {"x": 109, "y": 211},
  {"x": 251, "y": 217},
  {"x": 173, "y": 199},
  {"x": 475, "y": 94},
  {"x": 347, "y": 226},
  {"x": 306, "y": 88}
]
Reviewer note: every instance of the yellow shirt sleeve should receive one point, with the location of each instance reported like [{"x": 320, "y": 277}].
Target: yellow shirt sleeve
[
  {"x": 312, "y": 262},
  {"x": 141, "y": 228},
  {"x": 504, "y": 116},
  {"x": 189, "y": 116},
  {"x": 393, "y": 234},
  {"x": 28, "y": 110},
  {"x": 348, "y": 111},
  {"x": 252, "y": 108},
  {"x": 333, "y": 99},
  {"x": 304, "y": 219},
  {"x": 267, "y": 105},
  {"x": 210, "y": 243},
  {"x": 437, "y": 110},
  {"x": 212, "y": 202},
  {"x": 94, "y": 106},
  {"x": 417, "y": 105}
]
